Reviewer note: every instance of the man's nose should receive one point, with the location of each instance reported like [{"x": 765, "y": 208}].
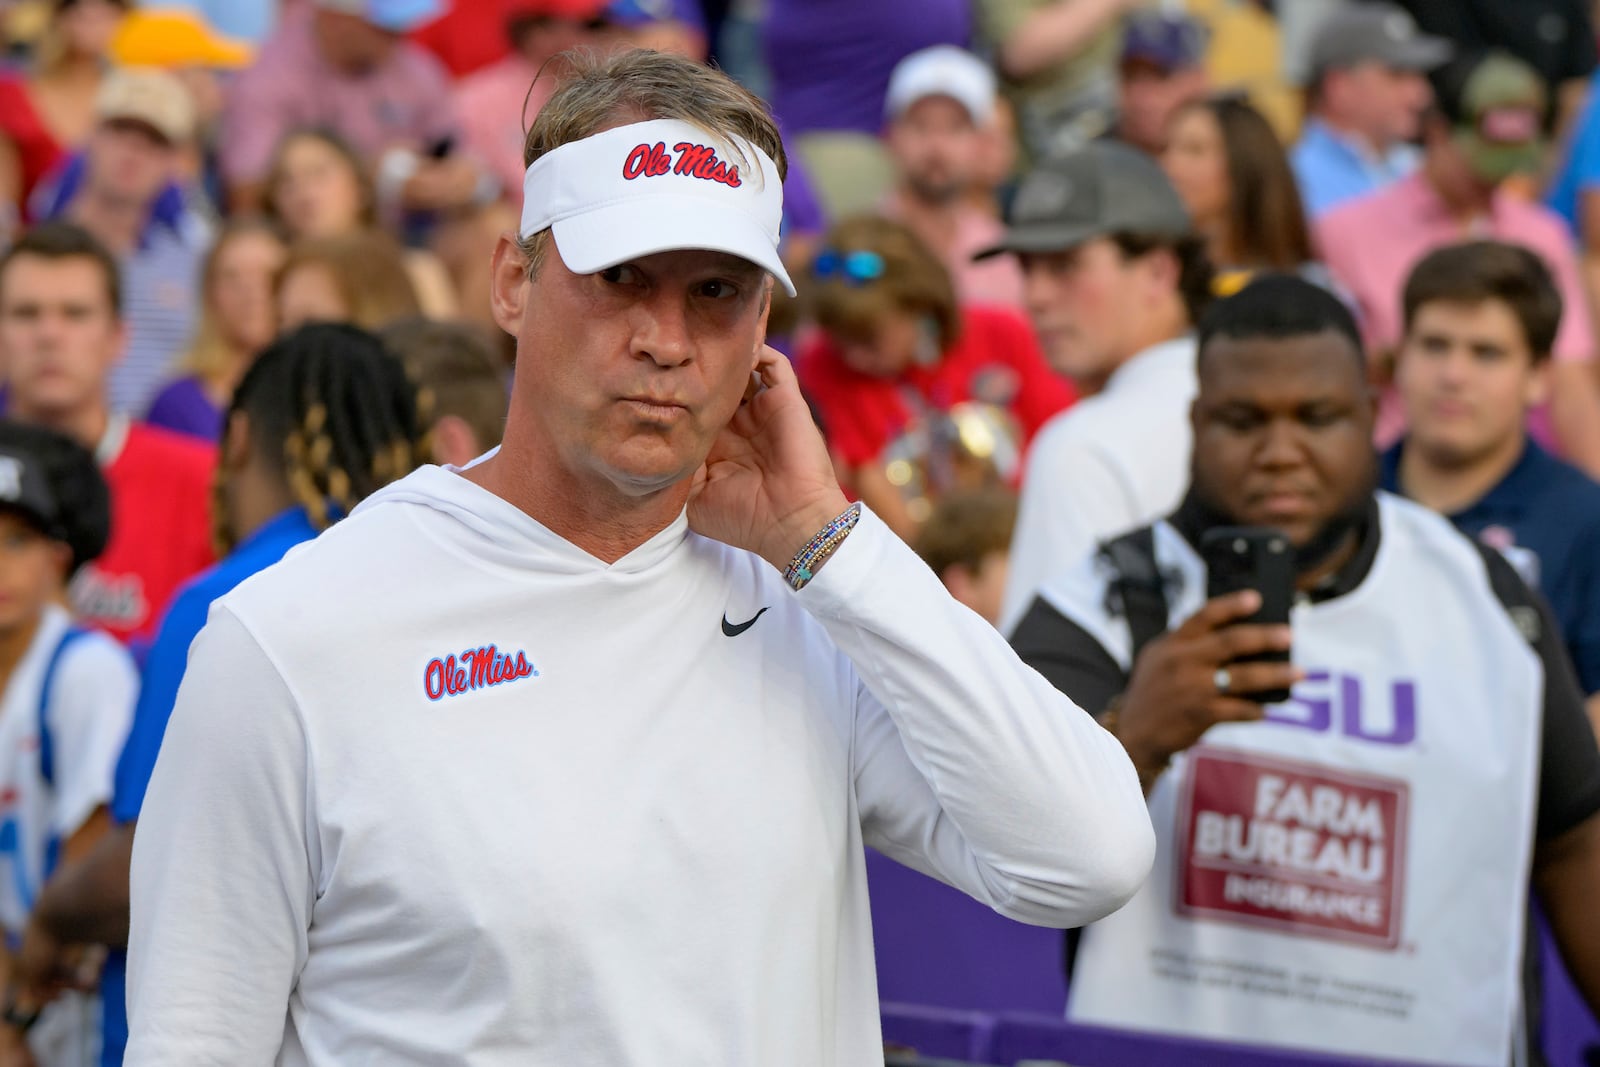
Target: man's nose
[{"x": 661, "y": 330}]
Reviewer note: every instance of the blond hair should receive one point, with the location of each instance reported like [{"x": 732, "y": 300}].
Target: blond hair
[
  {"x": 598, "y": 92},
  {"x": 368, "y": 272},
  {"x": 210, "y": 356}
]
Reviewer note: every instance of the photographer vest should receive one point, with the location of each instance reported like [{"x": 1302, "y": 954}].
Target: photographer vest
[{"x": 1348, "y": 875}]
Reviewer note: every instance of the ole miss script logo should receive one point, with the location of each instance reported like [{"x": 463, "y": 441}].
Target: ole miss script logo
[
  {"x": 694, "y": 161},
  {"x": 475, "y": 668}
]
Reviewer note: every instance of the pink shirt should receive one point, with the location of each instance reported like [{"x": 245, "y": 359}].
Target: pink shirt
[
  {"x": 405, "y": 102},
  {"x": 996, "y": 282},
  {"x": 490, "y": 104},
  {"x": 1372, "y": 243}
]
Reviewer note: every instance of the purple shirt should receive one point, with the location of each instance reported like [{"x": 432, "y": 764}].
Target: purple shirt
[
  {"x": 185, "y": 408},
  {"x": 830, "y": 60},
  {"x": 405, "y": 102}
]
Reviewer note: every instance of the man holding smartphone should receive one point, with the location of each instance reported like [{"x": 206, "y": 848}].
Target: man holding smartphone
[
  {"x": 570, "y": 756},
  {"x": 1344, "y": 872}
]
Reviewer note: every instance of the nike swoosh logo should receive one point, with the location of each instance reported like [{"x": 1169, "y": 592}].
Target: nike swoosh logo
[{"x": 731, "y": 629}]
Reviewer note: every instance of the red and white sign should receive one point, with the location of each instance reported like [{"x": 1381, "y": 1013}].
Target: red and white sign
[{"x": 1295, "y": 847}]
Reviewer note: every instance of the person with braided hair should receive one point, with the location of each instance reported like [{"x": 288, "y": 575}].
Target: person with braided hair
[
  {"x": 66, "y": 698},
  {"x": 323, "y": 418},
  {"x": 570, "y": 756}
]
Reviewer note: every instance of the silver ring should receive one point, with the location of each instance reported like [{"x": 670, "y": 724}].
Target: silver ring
[{"x": 1222, "y": 679}]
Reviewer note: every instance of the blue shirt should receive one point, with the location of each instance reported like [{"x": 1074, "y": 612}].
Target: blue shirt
[
  {"x": 163, "y": 670},
  {"x": 1331, "y": 168},
  {"x": 1544, "y": 516},
  {"x": 1580, "y": 162}
]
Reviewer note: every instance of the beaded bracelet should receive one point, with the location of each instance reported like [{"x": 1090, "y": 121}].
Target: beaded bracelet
[{"x": 803, "y": 567}]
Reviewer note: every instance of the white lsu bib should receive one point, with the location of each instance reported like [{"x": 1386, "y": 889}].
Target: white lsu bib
[{"x": 1348, "y": 876}]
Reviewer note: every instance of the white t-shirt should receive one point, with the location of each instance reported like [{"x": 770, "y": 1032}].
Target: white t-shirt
[
  {"x": 442, "y": 788},
  {"x": 1111, "y": 463},
  {"x": 87, "y": 717}
]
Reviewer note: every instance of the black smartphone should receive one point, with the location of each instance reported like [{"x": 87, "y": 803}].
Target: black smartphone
[{"x": 1253, "y": 557}]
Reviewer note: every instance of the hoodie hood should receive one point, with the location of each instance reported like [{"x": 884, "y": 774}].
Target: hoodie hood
[{"x": 492, "y": 528}]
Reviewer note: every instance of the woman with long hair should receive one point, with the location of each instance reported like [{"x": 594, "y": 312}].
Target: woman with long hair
[
  {"x": 237, "y": 320},
  {"x": 49, "y": 110},
  {"x": 357, "y": 278},
  {"x": 1231, "y": 171},
  {"x": 318, "y": 187}
]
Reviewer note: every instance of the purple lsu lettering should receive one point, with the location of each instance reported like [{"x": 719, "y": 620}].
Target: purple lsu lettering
[{"x": 1326, "y": 702}]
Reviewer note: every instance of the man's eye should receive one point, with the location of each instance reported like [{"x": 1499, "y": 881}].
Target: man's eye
[
  {"x": 621, "y": 274},
  {"x": 717, "y": 289}
]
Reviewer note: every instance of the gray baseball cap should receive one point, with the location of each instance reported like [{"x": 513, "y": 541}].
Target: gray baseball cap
[
  {"x": 1101, "y": 189},
  {"x": 1377, "y": 33}
]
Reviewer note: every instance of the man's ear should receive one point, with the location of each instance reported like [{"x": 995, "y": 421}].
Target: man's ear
[{"x": 508, "y": 284}]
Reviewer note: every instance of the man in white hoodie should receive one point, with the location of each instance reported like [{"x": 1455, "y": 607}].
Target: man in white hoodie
[{"x": 569, "y": 757}]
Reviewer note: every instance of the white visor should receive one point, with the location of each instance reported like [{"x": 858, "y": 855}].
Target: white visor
[{"x": 657, "y": 186}]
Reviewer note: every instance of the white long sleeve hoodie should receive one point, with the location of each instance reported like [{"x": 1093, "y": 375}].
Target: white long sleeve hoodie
[{"x": 630, "y": 839}]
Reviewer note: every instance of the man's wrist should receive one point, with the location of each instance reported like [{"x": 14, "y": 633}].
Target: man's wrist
[
  {"x": 823, "y": 544},
  {"x": 798, "y": 528}
]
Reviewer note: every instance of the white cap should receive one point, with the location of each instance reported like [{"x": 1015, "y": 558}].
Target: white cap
[
  {"x": 943, "y": 70},
  {"x": 656, "y": 186}
]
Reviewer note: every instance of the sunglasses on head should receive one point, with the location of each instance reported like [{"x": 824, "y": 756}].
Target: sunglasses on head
[{"x": 853, "y": 268}]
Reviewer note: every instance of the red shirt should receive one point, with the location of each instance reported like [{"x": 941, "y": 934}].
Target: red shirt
[
  {"x": 995, "y": 361},
  {"x": 160, "y": 530},
  {"x": 37, "y": 149}
]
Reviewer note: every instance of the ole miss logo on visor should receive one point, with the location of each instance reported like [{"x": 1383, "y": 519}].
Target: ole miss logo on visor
[{"x": 694, "y": 161}]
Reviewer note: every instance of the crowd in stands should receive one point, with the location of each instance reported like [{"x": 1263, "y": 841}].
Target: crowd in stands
[{"x": 244, "y": 283}]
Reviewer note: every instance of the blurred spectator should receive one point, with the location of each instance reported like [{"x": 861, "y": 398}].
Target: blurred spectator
[
  {"x": 50, "y": 111},
  {"x": 328, "y": 390},
  {"x": 60, "y": 332},
  {"x": 495, "y": 104},
  {"x": 464, "y": 395},
  {"x": 1115, "y": 278},
  {"x": 1233, "y": 177},
  {"x": 357, "y": 278},
  {"x": 917, "y": 395},
  {"x": 124, "y": 188},
  {"x": 1058, "y": 63},
  {"x": 677, "y": 26},
  {"x": 237, "y": 319},
  {"x": 1483, "y": 130},
  {"x": 830, "y": 62},
  {"x": 68, "y": 698},
  {"x": 940, "y": 101},
  {"x": 1163, "y": 68},
  {"x": 1480, "y": 322},
  {"x": 182, "y": 42},
  {"x": 1555, "y": 37},
  {"x": 967, "y": 543},
  {"x": 318, "y": 188},
  {"x": 473, "y": 36},
  {"x": 1244, "y": 55},
  {"x": 342, "y": 65},
  {"x": 1430, "y": 693},
  {"x": 1366, "y": 95},
  {"x": 1575, "y": 188}
]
